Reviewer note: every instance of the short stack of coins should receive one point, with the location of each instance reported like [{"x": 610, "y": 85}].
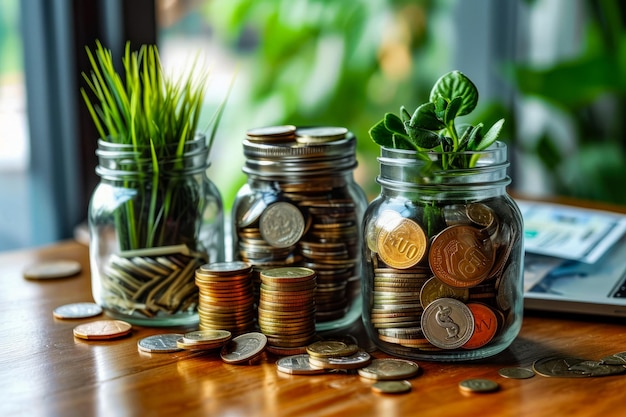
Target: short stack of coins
[
  {"x": 452, "y": 291},
  {"x": 226, "y": 299},
  {"x": 286, "y": 311},
  {"x": 302, "y": 208}
]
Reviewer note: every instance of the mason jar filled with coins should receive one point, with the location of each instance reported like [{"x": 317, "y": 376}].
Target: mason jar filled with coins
[
  {"x": 301, "y": 207},
  {"x": 443, "y": 258}
]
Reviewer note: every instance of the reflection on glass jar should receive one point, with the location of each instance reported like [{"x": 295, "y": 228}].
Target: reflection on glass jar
[
  {"x": 443, "y": 262},
  {"x": 152, "y": 224},
  {"x": 301, "y": 207}
]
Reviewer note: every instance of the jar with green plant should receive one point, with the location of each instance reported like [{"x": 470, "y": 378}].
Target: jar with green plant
[
  {"x": 155, "y": 216},
  {"x": 443, "y": 257}
]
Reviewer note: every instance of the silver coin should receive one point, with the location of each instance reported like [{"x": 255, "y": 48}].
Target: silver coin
[
  {"x": 447, "y": 323},
  {"x": 244, "y": 348},
  {"x": 52, "y": 269},
  {"x": 297, "y": 365},
  {"x": 392, "y": 387},
  {"x": 615, "y": 359},
  {"x": 516, "y": 373},
  {"x": 281, "y": 225},
  {"x": 559, "y": 367},
  {"x": 159, "y": 343},
  {"x": 597, "y": 368},
  {"x": 77, "y": 311},
  {"x": 355, "y": 361},
  {"x": 478, "y": 385}
]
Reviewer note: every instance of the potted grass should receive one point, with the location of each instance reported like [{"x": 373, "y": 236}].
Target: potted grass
[
  {"x": 442, "y": 275},
  {"x": 155, "y": 217}
]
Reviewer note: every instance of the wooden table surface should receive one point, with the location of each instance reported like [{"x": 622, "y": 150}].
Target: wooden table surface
[{"x": 45, "y": 371}]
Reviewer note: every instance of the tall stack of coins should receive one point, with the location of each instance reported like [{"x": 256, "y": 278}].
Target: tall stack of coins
[
  {"x": 301, "y": 207},
  {"x": 442, "y": 277},
  {"x": 287, "y": 306},
  {"x": 226, "y": 300}
]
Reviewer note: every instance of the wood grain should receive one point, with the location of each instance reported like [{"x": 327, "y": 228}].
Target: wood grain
[{"x": 45, "y": 371}]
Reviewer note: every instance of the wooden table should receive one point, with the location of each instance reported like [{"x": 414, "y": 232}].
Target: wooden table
[{"x": 45, "y": 371}]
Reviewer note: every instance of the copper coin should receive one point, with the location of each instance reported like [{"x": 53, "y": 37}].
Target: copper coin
[
  {"x": 485, "y": 326},
  {"x": 460, "y": 256},
  {"x": 402, "y": 244},
  {"x": 102, "y": 329}
]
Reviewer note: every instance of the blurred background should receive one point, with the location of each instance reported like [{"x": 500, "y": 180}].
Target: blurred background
[{"x": 554, "y": 69}]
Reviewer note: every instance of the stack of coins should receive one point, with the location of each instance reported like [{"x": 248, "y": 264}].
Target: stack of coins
[
  {"x": 226, "y": 300},
  {"x": 310, "y": 215},
  {"x": 287, "y": 306}
]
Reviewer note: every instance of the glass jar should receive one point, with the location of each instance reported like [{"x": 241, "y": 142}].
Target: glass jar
[
  {"x": 443, "y": 261},
  {"x": 152, "y": 223},
  {"x": 301, "y": 207}
]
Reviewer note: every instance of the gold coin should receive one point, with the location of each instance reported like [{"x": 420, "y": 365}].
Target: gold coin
[
  {"x": 389, "y": 369},
  {"x": 391, "y": 387},
  {"x": 199, "y": 336},
  {"x": 244, "y": 348},
  {"x": 102, "y": 329},
  {"x": 401, "y": 244},
  {"x": 460, "y": 256},
  {"x": 435, "y": 288},
  {"x": 331, "y": 348}
]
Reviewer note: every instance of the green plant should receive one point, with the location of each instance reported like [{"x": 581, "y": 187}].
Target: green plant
[
  {"x": 154, "y": 117},
  {"x": 433, "y": 125}
]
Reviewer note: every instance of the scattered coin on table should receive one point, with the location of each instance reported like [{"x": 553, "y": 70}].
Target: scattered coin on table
[
  {"x": 297, "y": 365},
  {"x": 389, "y": 369},
  {"x": 391, "y": 387},
  {"x": 102, "y": 330},
  {"x": 244, "y": 348},
  {"x": 77, "y": 311},
  {"x": 478, "y": 385},
  {"x": 516, "y": 373},
  {"x": 159, "y": 343},
  {"x": 52, "y": 269}
]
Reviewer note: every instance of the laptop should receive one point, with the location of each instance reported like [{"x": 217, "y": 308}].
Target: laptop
[{"x": 575, "y": 259}]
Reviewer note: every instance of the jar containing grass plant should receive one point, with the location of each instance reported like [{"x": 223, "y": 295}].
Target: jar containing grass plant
[{"x": 155, "y": 216}]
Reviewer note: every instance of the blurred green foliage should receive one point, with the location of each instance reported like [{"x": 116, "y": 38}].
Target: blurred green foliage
[
  {"x": 589, "y": 92},
  {"x": 326, "y": 62}
]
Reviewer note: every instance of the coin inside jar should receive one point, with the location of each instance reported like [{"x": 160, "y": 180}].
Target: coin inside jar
[
  {"x": 281, "y": 225},
  {"x": 401, "y": 244},
  {"x": 460, "y": 256}
]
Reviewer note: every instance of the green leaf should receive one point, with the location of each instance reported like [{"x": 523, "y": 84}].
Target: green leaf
[
  {"x": 393, "y": 123},
  {"x": 404, "y": 114},
  {"x": 422, "y": 138},
  {"x": 456, "y": 84},
  {"x": 491, "y": 135},
  {"x": 401, "y": 142},
  {"x": 381, "y": 135},
  {"x": 441, "y": 104},
  {"x": 452, "y": 110},
  {"x": 424, "y": 117}
]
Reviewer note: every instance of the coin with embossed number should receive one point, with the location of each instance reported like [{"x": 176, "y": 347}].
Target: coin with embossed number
[
  {"x": 281, "y": 225},
  {"x": 159, "y": 343},
  {"x": 297, "y": 365},
  {"x": 389, "y": 369},
  {"x": 77, "y": 311},
  {"x": 102, "y": 329},
  {"x": 391, "y": 387},
  {"x": 403, "y": 244},
  {"x": 244, "y": 348},
  {"x": 461, "y": 256},
  {"x": 447, "y": 323},
  {"x": 478, "y": 385}
]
